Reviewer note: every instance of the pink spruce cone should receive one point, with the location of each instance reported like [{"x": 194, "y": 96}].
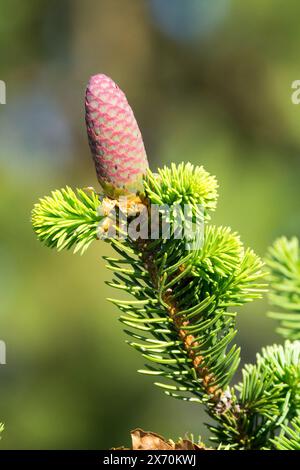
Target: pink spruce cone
[{"x": 114, "y": 137}]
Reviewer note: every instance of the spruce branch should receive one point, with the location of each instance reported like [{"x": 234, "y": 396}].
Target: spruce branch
[
  {"x": 178, "y": 301},
  {"x": 289, "y": 438},
  {"x": 183, "y": 291},
  {"x": 283, "y": 260},
  {"x": 67, "y": 219},
  {"x": 267, "y": 397},
  {"x": 182, "y": 184},
  {"x": 180, "y": 319}
]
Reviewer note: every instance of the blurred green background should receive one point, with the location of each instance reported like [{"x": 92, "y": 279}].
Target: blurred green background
[{"x": 210, "y": 82}]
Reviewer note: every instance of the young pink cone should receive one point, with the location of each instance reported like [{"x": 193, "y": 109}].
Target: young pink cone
[{"x": 114, "y": 137}]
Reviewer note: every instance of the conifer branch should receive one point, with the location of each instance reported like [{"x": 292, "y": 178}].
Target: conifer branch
[
  {"x": 180, "y": 319},
  {"x": 267, "y": 397},
  {"x": 184, "y": 290},
  {"x": 289, "y": 438},
  {"x": 283, "y": 260},
  {"x": 67, "y": 219}
]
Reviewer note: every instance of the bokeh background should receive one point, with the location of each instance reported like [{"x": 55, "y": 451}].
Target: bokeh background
[{"x": 210, "y": 82}]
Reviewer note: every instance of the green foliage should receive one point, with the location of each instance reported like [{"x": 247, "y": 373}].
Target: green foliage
[
  {"x": 181, "y": 314},
  {"x": 267, "y": 396},
  {"x": 289, "y": 438},
  {"x": 67, "y": 219},
  {"x": 179, "y": 319},
  {"x": 219, "y": 256},
  {"x": 276, "y": 376},
  {"x": 283, "y": 260},
  {"x": 232, "y": 272},
  {"x": 283, "y": 364},
  {"x": 182, "y": 184},
  {"x": 156, "y": 327}
]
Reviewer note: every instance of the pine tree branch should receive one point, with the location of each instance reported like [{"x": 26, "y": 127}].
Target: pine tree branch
[
  {"x": 183, "y": 288},
  {"x": 181, "y": 319},
  {"x": 289, "y": 438},
  {"x": 268, "y": 396},
  {"x": 283, "y": 260},
  {"x": 194, "y": 292},
  {"x": 67, "y": 219}
]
